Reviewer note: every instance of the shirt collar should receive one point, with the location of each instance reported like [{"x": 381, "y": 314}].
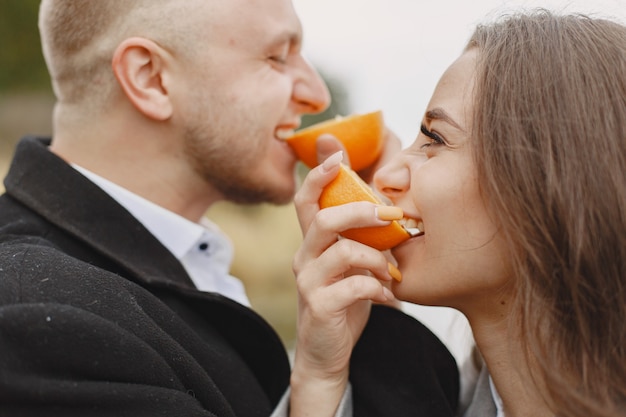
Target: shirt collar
[{"x": 175, "y": 232}]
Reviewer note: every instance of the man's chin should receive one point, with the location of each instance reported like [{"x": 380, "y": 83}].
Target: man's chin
[{"x": 257, "y": 195}]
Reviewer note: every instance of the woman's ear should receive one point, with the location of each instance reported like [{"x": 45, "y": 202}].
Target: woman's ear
[{"x": 140, "y": 66}]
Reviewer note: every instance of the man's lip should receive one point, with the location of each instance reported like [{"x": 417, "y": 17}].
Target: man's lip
[
  {"x": 287, "y": 128},
  {"x": 284, "y": 133}
]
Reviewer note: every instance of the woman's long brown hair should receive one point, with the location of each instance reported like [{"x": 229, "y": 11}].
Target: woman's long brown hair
[{"x": 550, "y": 147}]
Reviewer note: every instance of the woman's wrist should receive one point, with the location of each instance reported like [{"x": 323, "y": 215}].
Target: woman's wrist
[{"x": 316, "y": 394}]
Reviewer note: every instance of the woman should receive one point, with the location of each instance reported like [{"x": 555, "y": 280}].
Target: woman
[{"x": 518, "y": 178}]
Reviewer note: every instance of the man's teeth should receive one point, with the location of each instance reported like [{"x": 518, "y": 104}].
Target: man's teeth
[
  {"x": 413, "y": 226},
  {"x": 284, "y": 133}
]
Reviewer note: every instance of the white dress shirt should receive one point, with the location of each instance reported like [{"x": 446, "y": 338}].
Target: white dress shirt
[{"x": 203, "y": 249}]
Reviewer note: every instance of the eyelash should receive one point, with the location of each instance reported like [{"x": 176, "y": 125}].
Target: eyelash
[
  {"x": 435, "y": 138},
  {"x": 279, "y": 59},
  {"x": 280, "y": 55}
]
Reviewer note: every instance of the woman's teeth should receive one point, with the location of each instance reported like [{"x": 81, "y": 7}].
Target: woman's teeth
[{"x": 413, "y": 226}]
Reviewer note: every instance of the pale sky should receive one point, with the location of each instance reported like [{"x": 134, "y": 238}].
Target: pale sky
[{"x": 391, "y": 53}]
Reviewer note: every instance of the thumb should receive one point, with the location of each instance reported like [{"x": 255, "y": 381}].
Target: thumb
[{"x": 327, "y": 145}]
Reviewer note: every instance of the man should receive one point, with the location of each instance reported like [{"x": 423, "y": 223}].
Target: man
[{"x": 115, "y": 297}]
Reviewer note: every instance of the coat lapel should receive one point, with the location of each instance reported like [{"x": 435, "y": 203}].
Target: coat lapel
[
  {"x": 100, "y": 223},
  {"x": 89, "y": 215}
]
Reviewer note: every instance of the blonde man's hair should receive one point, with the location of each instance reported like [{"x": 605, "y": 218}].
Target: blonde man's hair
[{"x": 79, "y": 37}]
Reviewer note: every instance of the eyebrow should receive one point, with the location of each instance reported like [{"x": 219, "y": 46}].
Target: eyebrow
[
  {"x": 440, "y": 114},
  {"x": 293, "y": 40},
  {"x": 292, "y": 37}
]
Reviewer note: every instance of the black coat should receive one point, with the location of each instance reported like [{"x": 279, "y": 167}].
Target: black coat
[{"x": 97, "y": 318}]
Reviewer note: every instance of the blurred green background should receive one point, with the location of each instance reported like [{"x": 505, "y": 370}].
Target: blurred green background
[{"x": 265, "y": 237}]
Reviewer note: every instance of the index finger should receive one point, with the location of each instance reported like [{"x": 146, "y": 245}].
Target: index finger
[
  {"x": 307, "y": 197},
  {"x": 326, "y": 145}
]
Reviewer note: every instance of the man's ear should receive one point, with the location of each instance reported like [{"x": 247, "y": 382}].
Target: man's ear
[{"x": 140, "y": 66}]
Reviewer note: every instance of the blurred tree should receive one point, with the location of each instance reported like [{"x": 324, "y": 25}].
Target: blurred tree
[{"x": 22, "y": 66}]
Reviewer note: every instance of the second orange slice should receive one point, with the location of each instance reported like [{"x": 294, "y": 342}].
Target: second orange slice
[{"x": 361, "y": 134}]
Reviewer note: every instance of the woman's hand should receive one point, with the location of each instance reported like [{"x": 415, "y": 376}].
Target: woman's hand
[{"x": 334, "y": 301}]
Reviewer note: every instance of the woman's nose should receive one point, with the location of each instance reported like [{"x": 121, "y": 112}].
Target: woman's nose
[{"x": 392, "y": 180}]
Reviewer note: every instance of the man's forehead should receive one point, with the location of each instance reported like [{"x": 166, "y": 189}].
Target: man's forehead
[{"x": 270, "y": 20}]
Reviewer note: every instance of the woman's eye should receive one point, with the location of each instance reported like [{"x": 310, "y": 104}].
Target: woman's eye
[{"x": 435, "y": 139}]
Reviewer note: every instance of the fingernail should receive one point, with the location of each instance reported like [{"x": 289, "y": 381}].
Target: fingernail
[
  {"x": 389, "y": 213},
  {"x": 332, "y": 161},
  {"x": 394, "y": 272},
  {"x": 388, "y": 294}
]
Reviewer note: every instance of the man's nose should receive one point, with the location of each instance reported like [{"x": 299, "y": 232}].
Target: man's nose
[{"x": 310, "y": 91}]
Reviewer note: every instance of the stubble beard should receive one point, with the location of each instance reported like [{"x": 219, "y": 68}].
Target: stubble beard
[{"x": 222, "y": 163}]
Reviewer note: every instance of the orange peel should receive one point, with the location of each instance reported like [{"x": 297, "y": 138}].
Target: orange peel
[
  {"x": 349, "y": 187},
  {"x": 362, "y": 135}
]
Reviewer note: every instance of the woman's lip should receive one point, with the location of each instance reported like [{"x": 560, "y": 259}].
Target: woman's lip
[
  {"x": 416, "y": 236},
  {"x": 414, "y": 226},
  {"x": 414, "y": 231}
]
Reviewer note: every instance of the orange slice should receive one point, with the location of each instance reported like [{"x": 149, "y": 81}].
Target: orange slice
[
  {"x": 361, "y": 135},
  {"x": 348, "y": 187}
]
